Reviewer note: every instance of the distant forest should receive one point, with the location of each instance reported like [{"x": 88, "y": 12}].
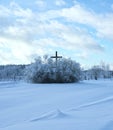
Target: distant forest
[
  {"x": 42, "y": 71},
  {"x": 12, "y": 72}
]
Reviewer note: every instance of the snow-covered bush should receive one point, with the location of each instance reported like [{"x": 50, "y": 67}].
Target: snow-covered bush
[{"x": 45, "y": 70}]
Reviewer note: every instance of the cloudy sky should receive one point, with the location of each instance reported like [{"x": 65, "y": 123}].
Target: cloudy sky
[{"x": 80, "y": 29}]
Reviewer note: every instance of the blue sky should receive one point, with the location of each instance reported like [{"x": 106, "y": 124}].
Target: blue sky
[{"x": 80, "y": 29}]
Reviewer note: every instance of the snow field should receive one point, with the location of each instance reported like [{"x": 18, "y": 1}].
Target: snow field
[{"x": 87, "y": 105}]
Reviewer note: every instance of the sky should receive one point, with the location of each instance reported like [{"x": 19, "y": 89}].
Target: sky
[{"x": 79, "y": 29}]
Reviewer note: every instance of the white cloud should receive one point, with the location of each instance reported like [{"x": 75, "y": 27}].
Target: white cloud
[
  {"x": 39, "y": 33},
  {"x": 71, "y": 38},
  {"x": 60, "y": 2},
  {"x": 4, "y": 12},
  {"x": 19, "y": 12},
  {"x": 82, "y": 55},
  {"x": 102, "y": 23},
  {"x": 18, "y": 50},
  {"x": 41, "y": 4},
  {"x": 15, "y": 52}
]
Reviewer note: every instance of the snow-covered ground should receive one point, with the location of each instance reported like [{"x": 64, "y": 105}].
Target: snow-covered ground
[{"x": 87, "y": 105}]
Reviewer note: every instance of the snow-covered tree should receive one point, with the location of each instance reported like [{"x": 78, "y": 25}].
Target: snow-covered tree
[
  {"x": 11, "y": 72},
  {"x": 46, "y": 71},
  {"x": 97, "y": 72}
]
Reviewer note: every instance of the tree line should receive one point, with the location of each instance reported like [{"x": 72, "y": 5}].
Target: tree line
[
  {"x": 98, "y": 72},
  {"x": 45, "y": 70}
]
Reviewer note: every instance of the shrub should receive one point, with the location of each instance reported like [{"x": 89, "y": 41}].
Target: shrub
[{"x": 44, "y": 70}]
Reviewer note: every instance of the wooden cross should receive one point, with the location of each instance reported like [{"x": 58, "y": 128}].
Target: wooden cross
[{"x": 56, "y": 57}]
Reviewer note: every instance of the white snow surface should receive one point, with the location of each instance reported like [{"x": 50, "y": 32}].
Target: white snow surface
[{"x": 87, "y": 105}]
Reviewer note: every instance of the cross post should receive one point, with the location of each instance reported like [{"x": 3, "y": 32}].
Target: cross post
[{"x": 56, "y": 57}]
